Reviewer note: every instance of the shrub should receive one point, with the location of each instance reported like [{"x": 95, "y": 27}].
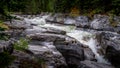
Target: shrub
[{"x": 5, "y": 59}]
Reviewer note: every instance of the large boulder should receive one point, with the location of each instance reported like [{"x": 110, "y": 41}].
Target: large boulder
[
  {"x": 111, "y": 47},
  {"x": 72, "y": 52},
  {"x": 101, "y": 22}
]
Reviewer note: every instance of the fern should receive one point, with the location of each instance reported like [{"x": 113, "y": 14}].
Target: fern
[{"x": 22, "y": 44}]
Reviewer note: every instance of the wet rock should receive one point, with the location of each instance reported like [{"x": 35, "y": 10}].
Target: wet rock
[
  {"x": 43, "y": 30},
  {"x": 46, "y": 37},
  {"x": 34, "y": 31},
  {"x": 91, "y": 64},
  {"x": 73, "y": 53},
  {"x": 70, "y": 21},
  {"x": 55, "y": 31},
  {"x": 37, "y": 20},
  {"x": 89, "y": 55},
  {"x": 6, "y": 46}
]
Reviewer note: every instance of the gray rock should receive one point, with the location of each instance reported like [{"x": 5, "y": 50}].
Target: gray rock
[
  {"x": 59, "y": 17},
  {"x": 44, "y": 30},
  {"x": 117, "y": 29},
  {"x": 91, "y": 64},
  {"x": 46, "y": 37},
  {"x": 25, "y": 60},
  {"x": 82, "y": 21},
  {"x": 111, "y": 46},
  {"x": 6, "y": 46},
  {"x": 49, "y": 53},
  {"x": 70, "y": 21},
  {"x": 34, "y": 31},
  {"x": 100, "y": 22},
  {"x": 56, "y": 18},
  {"x": 72, "y": 52},
  {"x": 89, "y": 55},
  {"x": 18, "y": 24}
]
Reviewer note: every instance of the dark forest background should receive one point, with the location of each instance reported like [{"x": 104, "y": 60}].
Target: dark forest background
[{"x": 64, "y": 6}]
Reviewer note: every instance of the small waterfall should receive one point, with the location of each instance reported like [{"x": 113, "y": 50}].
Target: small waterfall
[{"x": 83, "y": 37}]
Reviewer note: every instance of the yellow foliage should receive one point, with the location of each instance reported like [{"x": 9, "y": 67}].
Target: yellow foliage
[
  {"x": 2, "y": 25},
  {"x": 74, "y": 12}
]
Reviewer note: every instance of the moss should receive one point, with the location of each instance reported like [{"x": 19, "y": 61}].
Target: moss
[
  {"x": 112, "y": 22},
  {"x": 5, "y": 59}
]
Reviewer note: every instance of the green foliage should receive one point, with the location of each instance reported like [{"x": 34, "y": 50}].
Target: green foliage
[
  {"x": 5, "y": 59},
  {"x": 37, "y": 6},
  {"x": 3, "y": 36},
  {"x": 3, "y": 27},
  {"x": 21, "y": 44}
]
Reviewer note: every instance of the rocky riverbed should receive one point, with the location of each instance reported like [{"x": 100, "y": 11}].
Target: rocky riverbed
[{"x": 64, "y": 42}]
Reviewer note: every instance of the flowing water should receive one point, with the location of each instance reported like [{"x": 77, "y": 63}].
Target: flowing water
[{"x": 83, "y": 37}]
